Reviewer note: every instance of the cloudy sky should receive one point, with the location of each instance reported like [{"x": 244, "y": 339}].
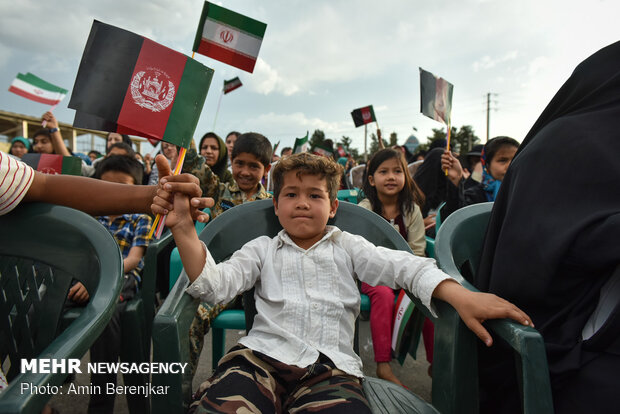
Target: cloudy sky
[{"x": 321, "y": 59}]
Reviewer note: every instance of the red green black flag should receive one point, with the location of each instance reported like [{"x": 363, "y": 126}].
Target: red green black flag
[
  {"x": 363, "y": 116},
  {"x": 54, "y": 163},
  {"x": 435, "y": 97},
  {"x": 127, "y": 83}
]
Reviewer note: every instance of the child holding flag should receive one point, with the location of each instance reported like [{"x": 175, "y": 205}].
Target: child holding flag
[{"x": 299, "y": 351}]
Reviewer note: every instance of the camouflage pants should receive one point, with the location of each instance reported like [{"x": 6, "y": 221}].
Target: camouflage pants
[
  {"x": 200, "y": 326},
  {"x": 250, "y": 382}
]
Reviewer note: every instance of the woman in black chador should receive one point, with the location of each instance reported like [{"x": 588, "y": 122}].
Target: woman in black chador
[{"x": 554, "y": 240}]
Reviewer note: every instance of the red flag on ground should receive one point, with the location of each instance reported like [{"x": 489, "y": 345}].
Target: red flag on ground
[{"x": 142, "y": 87}]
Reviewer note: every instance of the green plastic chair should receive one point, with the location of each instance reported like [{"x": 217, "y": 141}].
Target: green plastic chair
[
  {"x": 458, "y": 249},
  {"x": 348, "y": 195},
  {"x": 42, "y": 249},
  {"x": 228, "y": 233},
  {"x": 137, "y": 318}
]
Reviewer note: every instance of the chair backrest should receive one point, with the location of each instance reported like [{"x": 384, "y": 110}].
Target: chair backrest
[
  {"x": 356, "y": 175},
  {"x": 458, "y": 248},
  {"x": 413, "y": 167},
  {"x": 42, "y": 249}
]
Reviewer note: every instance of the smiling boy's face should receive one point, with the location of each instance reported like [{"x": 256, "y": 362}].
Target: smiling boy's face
[
  {"x": 303, "y": 208},
  {"x": 247, "y": 170}
]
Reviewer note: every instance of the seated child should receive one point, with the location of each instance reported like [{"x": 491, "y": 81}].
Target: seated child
[
  {"x": 299, "y": 352},
  {"x": 250, "y": 160},
  {"x": 130, "y": 232}
]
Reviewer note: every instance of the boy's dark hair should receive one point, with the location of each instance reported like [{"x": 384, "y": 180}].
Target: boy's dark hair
[
  {"x": 408, "y": 196},
  {"x": 123, "y": 146},
  {"x": 307, "y": 164},
  {"x": 285, "y": 149},
  {"x": 494, "y": 144},
  {"x": 121, "y": 163},
  {"x": 43, "y": 131},
  {"x": 255, "y": 144}
]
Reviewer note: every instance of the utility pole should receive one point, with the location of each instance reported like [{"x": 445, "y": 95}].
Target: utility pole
[{"x": 488, "y": 113}]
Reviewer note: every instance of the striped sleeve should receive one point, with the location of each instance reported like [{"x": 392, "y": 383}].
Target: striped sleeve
[{"x": 15, "y": 180}]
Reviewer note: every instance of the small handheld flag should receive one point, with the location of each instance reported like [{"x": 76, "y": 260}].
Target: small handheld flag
[
  {"x": 435, "y": 97},
  {"x": 363, "y": 116},
  {"x": 229, "y": 37},
  {"x": 54, "y": 163},
  {"x": 141, "y": 87},
  {"x": 301, "y": 144},
  {"x": 36, "y": 89},
  {"x": 231, "y": 85}
]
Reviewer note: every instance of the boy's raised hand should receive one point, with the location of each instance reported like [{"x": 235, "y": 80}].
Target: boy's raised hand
[
  {"x": 186, "y": 184},
  {"x": 476, "y": 307}
]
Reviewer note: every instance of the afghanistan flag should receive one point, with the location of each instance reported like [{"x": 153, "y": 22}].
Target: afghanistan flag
[
  {"x": 54, "y": 163},
  {"x": 363, "y": 116},
  {"x": 301, "y": 144},
  {"x": 229, "y": 37},
  {"x": 231, "y": 85},
  {"x": 140, "y": 86},
  {"x": 435, "y": 97},
  {"x": 36, "y": 89}
]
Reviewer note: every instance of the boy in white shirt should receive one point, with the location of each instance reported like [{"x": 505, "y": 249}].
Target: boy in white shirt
[{"x": 298, "y": 354}]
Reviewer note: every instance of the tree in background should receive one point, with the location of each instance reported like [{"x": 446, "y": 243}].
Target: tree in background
[
  {"x": 461, "y": 141},
  {"x": 317, "y": 138},
  {"x": 346, "y": 143}
]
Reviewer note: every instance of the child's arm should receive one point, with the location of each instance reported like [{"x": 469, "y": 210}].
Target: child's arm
[
  {"x": 476, "y": 307},
  {"x": 57, "y": 142},
  {"x": 136, "y": 253}
]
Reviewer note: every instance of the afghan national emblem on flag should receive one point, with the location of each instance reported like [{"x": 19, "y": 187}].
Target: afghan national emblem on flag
[
  {"x": 229, "y": 37},
  {"x": 36, "y": 89},
  {"x": 129, "y": 84},
  {"x": 435, "y": 97},
  {"x": 231, "y": 85},
  {"x": 363, "y": 116}
]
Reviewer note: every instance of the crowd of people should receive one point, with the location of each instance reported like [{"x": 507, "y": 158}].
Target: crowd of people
[{"x": 553, "y": 205}]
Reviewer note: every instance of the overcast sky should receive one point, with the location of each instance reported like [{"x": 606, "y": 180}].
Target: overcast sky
[{"x": 321, "y": 59}]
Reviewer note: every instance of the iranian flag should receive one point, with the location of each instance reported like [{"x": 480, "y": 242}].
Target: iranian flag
[
  {"x": 231, "y": 85},
  {"x": 229, "y": 37},
  {"x": 363, "y": 116},
  {"x": 129, "y": 84},
  {"x": 435, "y": 97},
  {"x": 301, "y": 144},
  {"x": 54, "y": 163},
  {"x": 323, "y": 150},
  {"x": 36, "y": 89}
]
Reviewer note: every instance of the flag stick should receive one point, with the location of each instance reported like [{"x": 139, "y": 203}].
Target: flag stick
[
  {"x": 365, "y": 151},
  {"x": 219, "y": 101},
  {"x": 50, "y": 110},
  {"x": 448, "y": 143},
  {"x": 160, "y": 221}
]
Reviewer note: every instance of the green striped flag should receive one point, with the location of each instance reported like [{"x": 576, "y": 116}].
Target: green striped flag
[
  {"x": 231, "y": 85},
  {"x": 36, "y": 89},
  {"x": 129, "y": 84},
  {"x": 229, "y": 37},
  {"x": 435, "y": 97},
  {"x": 54, "y": 163},
  {"x": 301, "y": 144}
]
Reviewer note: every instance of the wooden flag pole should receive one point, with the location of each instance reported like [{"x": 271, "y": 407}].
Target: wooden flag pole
[{"x": 448, "y": 142}]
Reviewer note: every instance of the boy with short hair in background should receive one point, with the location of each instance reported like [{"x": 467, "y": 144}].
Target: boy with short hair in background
[{"x": 131, "y": 233}]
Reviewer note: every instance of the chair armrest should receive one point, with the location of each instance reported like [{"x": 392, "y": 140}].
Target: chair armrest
[{"x": 171, "y": 344}]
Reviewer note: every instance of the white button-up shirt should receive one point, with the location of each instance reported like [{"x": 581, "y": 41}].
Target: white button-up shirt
[{"x": 307, "y": 300}]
